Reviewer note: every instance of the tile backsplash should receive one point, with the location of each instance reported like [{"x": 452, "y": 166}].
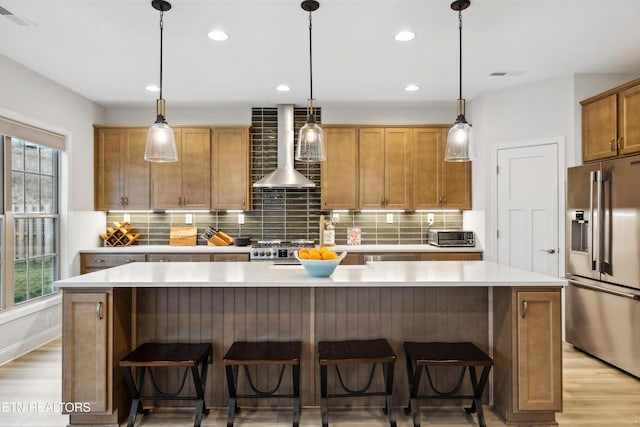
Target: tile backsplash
[{"x": 288, "y": 213}]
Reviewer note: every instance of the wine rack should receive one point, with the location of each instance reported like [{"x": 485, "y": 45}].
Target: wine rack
[{"x": 121, "y": 235}]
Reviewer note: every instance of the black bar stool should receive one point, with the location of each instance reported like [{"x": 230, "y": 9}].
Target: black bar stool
[
  {"x": 167, "y": 355},
  {"x": 421, "y": 355},
  {"x": 262, "y": 353},
  {"x": 353, "y": 352}
]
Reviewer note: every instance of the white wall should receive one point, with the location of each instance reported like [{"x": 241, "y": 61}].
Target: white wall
[
  {"x": 230, "y": 115},
  {"x": 538, "y": 110},
  {"x": 35, "y": 100}
]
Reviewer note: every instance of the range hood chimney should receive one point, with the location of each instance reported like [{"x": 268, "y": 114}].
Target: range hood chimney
[{"x": 285, "y": 176}]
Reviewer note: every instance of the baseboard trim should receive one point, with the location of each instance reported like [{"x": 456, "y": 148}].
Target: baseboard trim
[{"x": 29, "y": 344}]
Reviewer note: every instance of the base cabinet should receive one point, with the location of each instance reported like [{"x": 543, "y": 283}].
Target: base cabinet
[
  {"x": 528, "y": 354},
  {"x": 97, "y": 331}
]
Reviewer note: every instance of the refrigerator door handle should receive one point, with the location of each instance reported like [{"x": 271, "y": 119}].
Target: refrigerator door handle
[
  {"x": 601, "y": 178},
  {"x": 605, "y": 290},
  {"x": 590, "y": 242}
]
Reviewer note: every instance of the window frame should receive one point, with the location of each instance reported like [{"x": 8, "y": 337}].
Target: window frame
[{"x": 7, "y": 242}]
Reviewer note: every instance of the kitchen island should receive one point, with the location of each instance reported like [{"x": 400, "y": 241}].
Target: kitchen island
[{"x": 513, "y": 315}]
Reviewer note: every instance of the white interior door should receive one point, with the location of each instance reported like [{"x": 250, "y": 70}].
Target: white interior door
[{"x": 527, "y": 205}]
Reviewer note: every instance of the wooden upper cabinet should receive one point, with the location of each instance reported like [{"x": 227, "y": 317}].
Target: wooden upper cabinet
[
  {"x": 427, "y": 170},
  {"x": 231, "y": 169},
  {"x": 185, "y": 184},
  {"x": 629, "y": 120},
  {"x": 386, "y": 168},
  {"x": 611, "y": 123},
  {"x": 340, "y": 170},
  {"x": 599, "y": 129},
  {"x": 456, "y": 181},
  {"x": 121, "y": 173},
  {"x": 438, "y": 184},
  {"x": 398, "y": 155}
]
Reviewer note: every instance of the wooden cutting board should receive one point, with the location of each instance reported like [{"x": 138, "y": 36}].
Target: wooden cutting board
[{"x": 183, "y": 236}]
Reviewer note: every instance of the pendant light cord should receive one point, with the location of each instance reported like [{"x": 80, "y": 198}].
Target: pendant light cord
[
  {"x": 161, "y": 30},
  {"x": 460, "y": 39},
  {"x": 310, "y": 68}
]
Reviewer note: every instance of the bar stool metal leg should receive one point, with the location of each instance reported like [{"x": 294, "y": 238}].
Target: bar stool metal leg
[
  {"x": 135, "y": 389},
  {"x": 296, "y": 394},
  {"x": 324, "y": 406},
  {"x": 232, "y": 383},
  {"x": 199, "y": 382},
  {"x": 387, "y": 369}
]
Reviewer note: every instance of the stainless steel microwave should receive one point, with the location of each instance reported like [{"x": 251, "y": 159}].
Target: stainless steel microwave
[{"x": 451, "y": 238}]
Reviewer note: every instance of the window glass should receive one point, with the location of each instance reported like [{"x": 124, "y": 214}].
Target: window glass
[{"x": 34, "y": 182}]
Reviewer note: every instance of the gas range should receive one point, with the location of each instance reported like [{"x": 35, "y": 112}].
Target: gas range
[{"x": 277, "y": 250}]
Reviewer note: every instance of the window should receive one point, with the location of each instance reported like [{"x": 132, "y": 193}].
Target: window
[{"x": 29, "y": 232}]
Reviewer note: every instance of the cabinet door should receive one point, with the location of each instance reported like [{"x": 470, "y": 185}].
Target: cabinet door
[
  {"x": 539, "y": 367},
  {"x": 599, "y": 129},
  {"x": 109, "y": 170},
  {"x": 456, "y": 181},
  {"x": 629, "y": 120},
  {"x": 230, "y": 257},
  {"x": 340, "y": 170},
  {"x": 136, "y": 185},
  {"x": 230, "y": 160},
  {"x": 371, "y": 167},
  {"x": 85, "y": 351},
  {"x": 195, "y": 168},
  {"x": 166, "y": 180},
  {"x": 398, "y": 156},
  {"x": 427, "y": 161}
]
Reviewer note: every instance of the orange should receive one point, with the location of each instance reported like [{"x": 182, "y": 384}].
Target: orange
[
  {"x": 303, "y": 255},
  {"x": 303, "y": 251},
  {"x": 324, "y": 249},
  {"x": 315, "y": 255},
  {"x": 329, "y": 255}
]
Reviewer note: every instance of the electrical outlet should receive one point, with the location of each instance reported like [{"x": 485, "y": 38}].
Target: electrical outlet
[
  {"x": 430, "y": 219},
  {"x": 188, "y": 218},
  {"x": 389, "y": 218},
  {"x": 240, "y": 218},
  {"x": 126, "y": 218},
  {"x": 335, "y": 218}
]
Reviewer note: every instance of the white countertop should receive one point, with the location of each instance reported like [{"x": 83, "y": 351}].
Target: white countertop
[
  {"x": 267, "y": 274},
  {"x": 247, "y": 249}
]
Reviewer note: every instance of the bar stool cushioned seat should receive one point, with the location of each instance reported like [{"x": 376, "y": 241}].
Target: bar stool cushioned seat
[
  {"x": 376, "y": 351},
  {"x": 421, "y": 355},
  {"x": 262, "y": 353},
  {"x": 168, "y": 355}
]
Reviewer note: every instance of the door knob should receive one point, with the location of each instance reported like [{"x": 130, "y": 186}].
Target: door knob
[{"x": 549, "y": 251}]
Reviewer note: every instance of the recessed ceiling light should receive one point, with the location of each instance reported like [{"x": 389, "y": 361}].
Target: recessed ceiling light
[
  {"x": 152, "y": 88},
  {"x": 405, "y": 36},
  {"x": 218, "y": 35},
  {"x": 283, "y": 88},
  {"x": 411, "y": 88}
]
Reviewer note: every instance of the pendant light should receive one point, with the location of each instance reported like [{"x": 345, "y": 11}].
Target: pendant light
[
  {"x": 311, "y": 138},
  {"x": 161, "y": 142},
  {"x": 459, "y": 147}
]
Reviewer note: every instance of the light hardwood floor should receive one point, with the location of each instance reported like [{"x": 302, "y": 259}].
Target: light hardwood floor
[{"x": 595, "y": 395}]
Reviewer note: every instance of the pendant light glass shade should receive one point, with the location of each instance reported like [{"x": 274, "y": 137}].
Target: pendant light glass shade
[
  {"x": 161, "y": 142},
  {"x": 311, "y": 142},
  {"x": 459, "y": 145},
  {"x": 311, "y": 138}
]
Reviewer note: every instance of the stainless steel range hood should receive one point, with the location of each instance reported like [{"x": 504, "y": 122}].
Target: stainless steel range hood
[{"x": 285, "y": 176}]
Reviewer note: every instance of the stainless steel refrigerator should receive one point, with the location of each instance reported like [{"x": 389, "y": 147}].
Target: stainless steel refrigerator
[{"x": 603, "y": 261}]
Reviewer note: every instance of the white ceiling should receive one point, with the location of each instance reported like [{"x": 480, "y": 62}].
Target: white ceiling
[{"x": 108, "y": 51}]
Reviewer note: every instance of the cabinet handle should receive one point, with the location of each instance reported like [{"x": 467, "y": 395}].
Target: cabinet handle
[
  {"x": 121, "y": 201},
  {"x": 440, "y": 201},
  {"x": 243, "y": 200},
  {"x": 444, "y": 200},
  {"x": 524, "y": 308},
  {"x": 128, "y": 260},
  {"x": 99, "y": 310},
  {"x": 613, "y": 141},
  {"x": 620, "y": 142},
  {"x": 126, "y": 200},
  {"x": 98, "y": 261}
]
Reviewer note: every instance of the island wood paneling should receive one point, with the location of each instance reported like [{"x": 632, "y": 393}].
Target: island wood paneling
[{"x": 224, "y": 315}]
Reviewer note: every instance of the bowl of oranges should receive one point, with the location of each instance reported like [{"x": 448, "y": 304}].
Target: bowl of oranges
[{"x": 319, "y": 262}]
